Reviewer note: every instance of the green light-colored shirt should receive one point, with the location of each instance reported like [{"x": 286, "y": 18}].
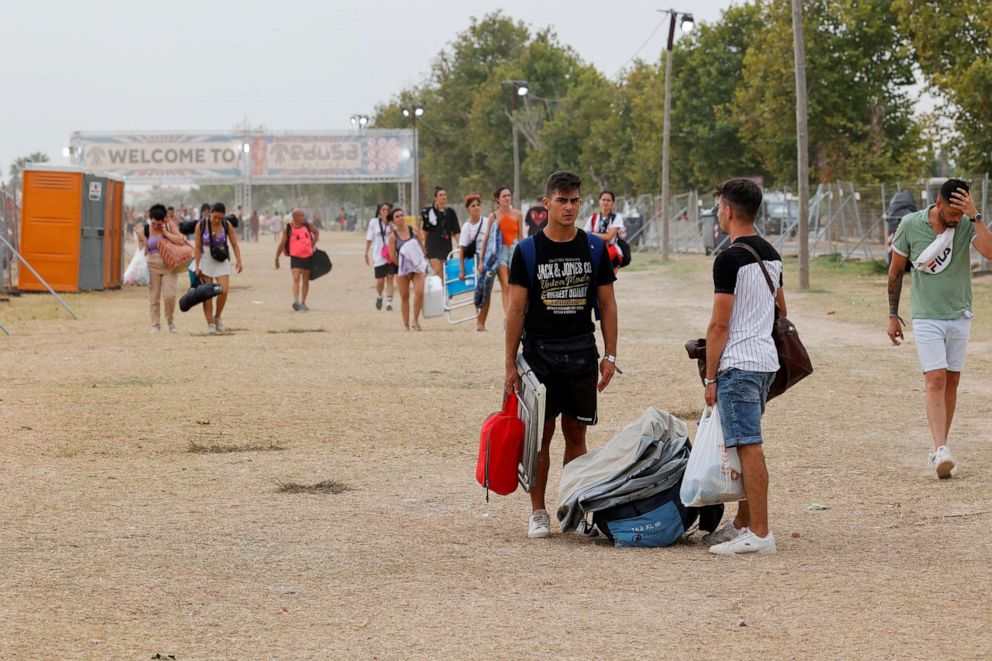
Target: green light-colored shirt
[{"x": 944, "y": 295}]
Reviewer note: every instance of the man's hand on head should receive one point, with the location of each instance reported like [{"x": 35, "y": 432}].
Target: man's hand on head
[{"x": 962, "y": 200}]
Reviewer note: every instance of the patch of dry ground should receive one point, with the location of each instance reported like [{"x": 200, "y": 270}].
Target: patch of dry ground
[{"x": 118, "y": 541}]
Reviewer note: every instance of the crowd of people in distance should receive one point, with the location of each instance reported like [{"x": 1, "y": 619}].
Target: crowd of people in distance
[{"x": 402, "y": 250}]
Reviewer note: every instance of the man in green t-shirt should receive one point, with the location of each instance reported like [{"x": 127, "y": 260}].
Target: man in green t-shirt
[{"x": 937, "y": 241}]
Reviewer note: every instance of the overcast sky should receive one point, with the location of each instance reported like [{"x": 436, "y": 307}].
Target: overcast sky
[{"x": 104, "y": 65}]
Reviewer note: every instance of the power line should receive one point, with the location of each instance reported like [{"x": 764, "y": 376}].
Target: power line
[{"x": 640, "y": 48}]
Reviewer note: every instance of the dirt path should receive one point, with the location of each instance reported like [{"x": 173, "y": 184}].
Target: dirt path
[{"x": 118, "y": 542}]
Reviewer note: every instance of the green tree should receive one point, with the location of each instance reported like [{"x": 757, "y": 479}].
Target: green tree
[
  {"x": 952, "y": 42},
  {"x": 706, "y": 145},
  {"x": 20, "y": 163},
  {"x": 860, "y": 113}
]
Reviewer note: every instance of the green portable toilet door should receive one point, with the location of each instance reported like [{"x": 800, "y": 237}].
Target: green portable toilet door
[{"x": 93, "y": 229}]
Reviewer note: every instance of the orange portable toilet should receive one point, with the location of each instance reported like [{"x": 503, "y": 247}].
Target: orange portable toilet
[{"x": 70, "y": 229}]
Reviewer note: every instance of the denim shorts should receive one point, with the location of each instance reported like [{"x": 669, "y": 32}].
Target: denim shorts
[
  {"x": 741, "y": 397},
  {"x": 506, "y": 254}
]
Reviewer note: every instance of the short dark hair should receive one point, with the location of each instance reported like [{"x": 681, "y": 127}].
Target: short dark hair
[
  {"x": 562, "y": 181},
  {"x": 499, "y": 191},
  {"x": 950, "y": 186},
  {"x": 607, "y": 191},
  {"x": 170, "y": 208},
  {"x": 472, "y": 197},
  {"x": 393, "y": 212},
  {"x": 219, "y": 207},
  {"x": 156, "y": 212},
  {"x": 742, "y": 195},
  {"x": 204, "y": 207}
]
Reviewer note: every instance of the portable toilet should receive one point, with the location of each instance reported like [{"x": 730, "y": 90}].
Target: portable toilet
[{"x": 71, "y": 229}]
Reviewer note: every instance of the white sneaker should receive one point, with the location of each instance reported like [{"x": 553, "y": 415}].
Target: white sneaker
[
  {"x": 219, "y": 324},
  {"x": 212, "y": 329},
  {"x": 173, "y": 329},
  {"x": 746, "y": 542},
  {"x": 153, "y": 330},
  {"x": 725, "y": 533},
  {"x": 942, "y": 462},
  {"x": 540, "y": 525}
]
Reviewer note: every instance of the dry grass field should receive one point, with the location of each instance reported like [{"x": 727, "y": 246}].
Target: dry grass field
[{"x": 303, "y": 487}]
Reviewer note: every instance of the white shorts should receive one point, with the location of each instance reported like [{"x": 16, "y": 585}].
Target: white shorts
[
  {"x": 942, "y": 343},
  {"x": 211, "y": 268}
]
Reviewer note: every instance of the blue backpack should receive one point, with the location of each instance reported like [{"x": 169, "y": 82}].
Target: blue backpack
[{"x": 596, "y": 248}]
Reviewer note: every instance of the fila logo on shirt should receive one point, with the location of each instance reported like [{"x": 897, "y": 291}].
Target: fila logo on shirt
[{"x": 936, "y": 262}]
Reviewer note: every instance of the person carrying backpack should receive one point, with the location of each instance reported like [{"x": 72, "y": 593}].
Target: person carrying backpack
[
  {"x": 299, "y": 239},
  {"x": 557, "y": 277}
]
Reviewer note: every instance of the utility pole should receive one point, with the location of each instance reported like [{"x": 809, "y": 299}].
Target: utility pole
[
  {"x": 802, "y": 141},
  {"x": 687, "y": 25}
]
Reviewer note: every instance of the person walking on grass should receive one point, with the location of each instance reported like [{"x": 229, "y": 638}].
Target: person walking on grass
[
  {"x": 406, "y": 249},
  {"x": 439, "y": 224},
  {"x": 741, "y": 359},
  {"x": 377, "y": 240},
  {"x": 470, "y": 244},
  {"x": 555, "y": 281},
  {"x": 299, "y": 240},
  {"x": 511, "y": 232},
  {"x": 937, "y": 241},
  {"x": 215, "y": 237},
  {"x": 162, "y": 279}
]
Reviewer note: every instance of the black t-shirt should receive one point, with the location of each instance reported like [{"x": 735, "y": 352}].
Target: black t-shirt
[
  {"x": 439, "y": 232},
  {"x": 730, "y": 261},
  {"x": 561, "y": 298},
  {"x": 536, "y": 219}
]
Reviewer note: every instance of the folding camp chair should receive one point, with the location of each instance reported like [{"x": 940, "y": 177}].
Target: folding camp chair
[
  {"x": 459, "y": 292},
  {"x": 530, "y": 409}
]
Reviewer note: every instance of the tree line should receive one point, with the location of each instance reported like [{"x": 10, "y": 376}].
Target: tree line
[{"x": 733, "y": 100}]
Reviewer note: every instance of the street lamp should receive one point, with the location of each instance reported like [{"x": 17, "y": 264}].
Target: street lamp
[
  {"x": 413, "y": 112},
  {"x": 359, "y": 121},
  {"x": 246, "y": 159},
  {"x": 687, "y": 24},
  {"x": 520, "y": 88}
]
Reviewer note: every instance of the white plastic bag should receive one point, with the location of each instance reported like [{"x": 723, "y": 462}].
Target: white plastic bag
[
  {"x": 136, "y": 272},
  {"x": 713, "y": 474}
]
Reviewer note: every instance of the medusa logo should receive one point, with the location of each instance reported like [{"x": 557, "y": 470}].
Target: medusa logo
[
  {"x": 279, "y": 153},
  {"x": 96, "y": 156}
]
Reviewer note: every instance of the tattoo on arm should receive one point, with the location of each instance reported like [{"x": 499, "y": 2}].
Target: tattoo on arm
[{"x": 895, "y": 291}]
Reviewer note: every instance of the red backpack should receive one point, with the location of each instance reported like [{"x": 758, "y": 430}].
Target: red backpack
[{"x": 501, "y": 445}]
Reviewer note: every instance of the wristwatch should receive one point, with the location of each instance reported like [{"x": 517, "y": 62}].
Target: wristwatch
[
  {"x": 977, "y": 218},
  {"x": 707, "y": 382},
  {"x": 611, "y": 358}
]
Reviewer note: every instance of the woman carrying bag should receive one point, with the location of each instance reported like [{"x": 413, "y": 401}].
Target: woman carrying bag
[
  {"x": 213, "y": 260},
  {"x": 162, "y": 278}
]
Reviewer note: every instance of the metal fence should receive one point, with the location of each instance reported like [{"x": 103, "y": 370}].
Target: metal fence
[
  {"x": 10, "y": 222},
  {"x": 844, "y": 219}
]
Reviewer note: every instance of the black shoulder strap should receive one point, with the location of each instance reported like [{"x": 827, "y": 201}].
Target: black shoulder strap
[{"x": 761, "y": 263}]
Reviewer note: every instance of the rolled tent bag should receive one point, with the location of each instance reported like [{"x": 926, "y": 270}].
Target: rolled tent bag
[
  {"x": 320, "y": 264},
  {"x": 198, "y": 294}
]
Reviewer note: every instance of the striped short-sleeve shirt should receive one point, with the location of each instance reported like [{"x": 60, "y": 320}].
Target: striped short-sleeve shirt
[{"x": 735, "y": 271}]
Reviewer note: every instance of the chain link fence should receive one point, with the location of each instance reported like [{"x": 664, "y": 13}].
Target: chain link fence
[
  {"x": 845, "y": 219},
  {"x": 10, "y": 222}
]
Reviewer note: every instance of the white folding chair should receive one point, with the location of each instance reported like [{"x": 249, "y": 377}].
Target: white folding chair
[{"x": 531, "y": 401}]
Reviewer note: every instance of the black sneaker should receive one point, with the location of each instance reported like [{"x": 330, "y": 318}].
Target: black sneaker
[
  {"x": 296, "y": 306},
  {"x": 378, "y": 303}
]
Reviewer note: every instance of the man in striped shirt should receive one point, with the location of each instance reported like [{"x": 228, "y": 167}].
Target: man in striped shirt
[{"x": 741, "y": 359}]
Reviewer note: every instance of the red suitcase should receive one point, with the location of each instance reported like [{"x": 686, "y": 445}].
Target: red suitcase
[{"x": 501, "y": 445}]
